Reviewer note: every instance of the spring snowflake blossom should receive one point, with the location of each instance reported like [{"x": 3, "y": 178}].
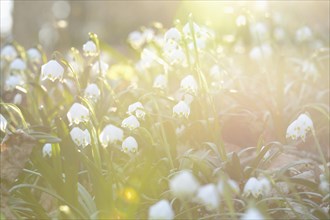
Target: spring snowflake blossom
[
  {"x": 13, "y": 81},
  {"x": 130, "y": 122},
  {"x": 304, "y": 34},
  {"x": 189, "y": 84},
  {"x": 47, "y": 150},
  {"x": 299, "y": 128},
  {"x": 257, "y": 187},
  {"x": 81, "y": 138},
  {"x": 136, "y": 39},
  {"x": 160, "y": 82},
  {"x": 78, "y": 113},
  {"x": 252, "y": 214},
  {"x": 34, "y": 55},
  {"x": 181, "y": 110},
  {"x": 90, "y": 48},
  {"x": 3, "y": 123},
  {"x": 52, "y": 71},
  {"x": 137, "y": 109},
  {"x": 129, "y": 145},
  {"x": 172, "y": 34},
  {"x": 8, "y": 52},
  {"x": 100, "y": 68},
  {"x": 111, "y": 134},
  {"x": 208, "y": 196},
  {"x": 92, "y": 92},
  {"x": 18, "y": 65},
  {"x": 161, "y": 210},
  {"x": 184, "y": 185}
]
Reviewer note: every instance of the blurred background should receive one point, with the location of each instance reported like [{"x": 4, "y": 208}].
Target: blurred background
[{"x": 61, "y": 24}]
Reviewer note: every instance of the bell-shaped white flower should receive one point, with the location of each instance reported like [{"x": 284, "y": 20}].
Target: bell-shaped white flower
[
  {"x": 181, "y": 110},
  {"x": 13, "y": 81},
  {"x": 3, "y": 123},
  {"x": 187, "y": 30},
  {"x": 208, "y": 196},
  {"x": 173, "y": 53},
  {"x": 172, "y": 34},
  {"x": 47, "y": 150},
  {"x": 81, "y": 138},
  {"x": 160, "y": 82},
  {"x": 252, "y": 214},
  {"x": 260, "y": 52},
  {"x": 18, "y": 65},
  {"x": 137, "y": 109},
  {"x": 34, "y": 55},
  {"x": 231, "y": 184},
  {"x": 136, "y": 39},
  {"x": 184, "y": 185},
  {"x": 17, "y": 99},
  {"x": 130, "y": 122},
  {"x": 299, "y": 128},
  {"x": 304, "y": 34},
  {"x": 92, "y": 92},
  {"x": 90, "y": 48},
  {"x": 130, "y": 145},
  {"x": 100, "y": 68},
  {"x": 324, "y": 185},
  {"x": 8, "y": 52},
  {"x": 52, "y": 71},
  {"x": 161, "y": 210},
  {"x": 78, "y": 113},
  {"x": 257, "y": 187},
  {"x": 111, "y": 134},
  {"x": 189, "y": 84}
]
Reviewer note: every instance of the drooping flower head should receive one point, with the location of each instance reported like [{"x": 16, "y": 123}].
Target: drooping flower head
[
  {"x": 78, "y": 113},
  {"x": 18, "y": 65},
  {"x": 111, "y": 134},
  {"x": 80, "y": 137},
  {"x": 299, "y": 128},
  {"x": 90, "y": 48},
  {"x": 8, "y": 52},
  {"x": 130, "y": 145},
  {"x": 3, "y": 123},
  {"x": 13, "y": 81},
  {"x": 52, "y": 71},
  {"x": 160, "y": 82},
  {"x": 137, "y": 109},
  {"x": 252, "y": 213},
  {"x": 47, "y": 150},
  {"x": 130, "y": 122},
  {"x": 181, "y": 110},
  {"x": 189, "y": 84},
  {"x": 34, "y": 55},
  {"x": 92, "y": 92},
  {"x": 208, "y": 196},
  {"x": 161, "y": 210},
  {"x": 257, "y": 187},
  {"x": 184, "y": 185}
]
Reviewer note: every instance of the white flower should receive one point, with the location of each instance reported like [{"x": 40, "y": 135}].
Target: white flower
[
  {"x": 130, "y": 145},
  {"x": 130, "y": 122},
  {"x": 299, "y": 128},
  {"x": 90, "y": 48},
  {"x": 78, "y": 113},
  {"x": 324, "y": 185},
  {"x": 111, "y": 134},
  {"x": 161, "y": 210},
  {"x": 3, "y": 123},
  {"x": 100, "y": 68},
  {"x": 172, "y": 34},
  {"x": 184, "y": 185},
  {"x": 17, "y": 99},
  {"x": 257, "y": 187},
  {"x": 18, "y": 64},
  {"x": 52, "y": 70},
  {"x": 259, "y": 31},
  {"x": 34, "y": 54},
  {"x": 233, "y": 186},
  {"x": 148, "y": 34},
  {"x": 304, "y": 34},
  {"x": 181, "y": 109},
  {"x": 8, "y": 52},
  {"x": 189, "y": 84},
  {"x": 263, "y": 51},
  {"x": 13, "y": 81},
  {"x": 136, "y": 39},
  {"x": 208, "y": 196},
  {"x": 92, "y": 92},
  {"x": 187, "y": 31},
  {"x": 252, "y": 214},
  {"x": 47, "y": 150},
  {"x": 138, "y": 109},
  {"x": 160, "y": 82},
  {"x": 81, "y": 138},
  {"x": 173, "y": 53}
]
